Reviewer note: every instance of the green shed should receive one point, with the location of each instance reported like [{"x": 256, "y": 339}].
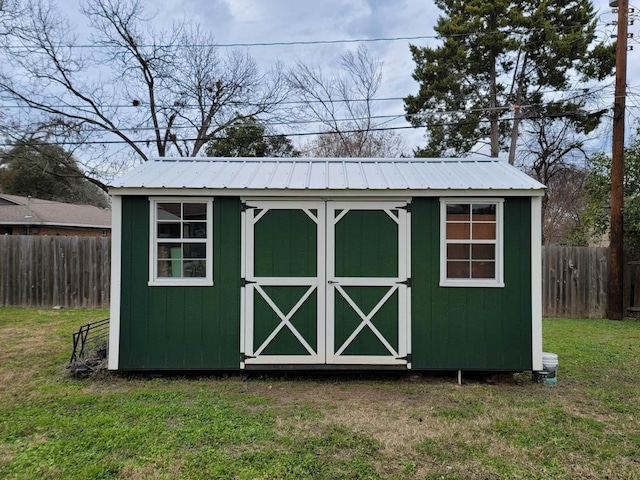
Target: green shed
[{"x": 271, "y": 263}]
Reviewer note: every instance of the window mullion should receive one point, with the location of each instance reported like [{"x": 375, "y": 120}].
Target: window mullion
[
  {"x": 193, "y": 265},
  {"x": 480, "y": 218}
]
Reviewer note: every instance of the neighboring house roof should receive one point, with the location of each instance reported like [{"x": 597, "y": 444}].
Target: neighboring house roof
[
  {"x": 244, "y": 175},
  {"x": 16, "y": 210}
]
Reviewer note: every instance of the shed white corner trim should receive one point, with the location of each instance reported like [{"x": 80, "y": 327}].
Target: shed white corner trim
[
  {"x": 536, "y": 283},
  {"x": 116, "y": 269}
]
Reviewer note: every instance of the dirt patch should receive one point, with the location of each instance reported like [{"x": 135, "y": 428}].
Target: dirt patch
[
  {"x": 151, "y": 471},
  {"x": 395, "y": 418},
  {"x": 24, "y": 353},
  {"x": 395, "y": 425},
  {"x": 20, "y": 342},
  {"x": 425, "y": 425},
  {"x": 7, "y": 454}
]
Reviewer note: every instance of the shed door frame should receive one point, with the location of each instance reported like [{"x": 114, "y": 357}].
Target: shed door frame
[
  {"x": 337, "y": 287},
  {"x": 253, "y": 286},
  {"x": 325, "y": 284}
]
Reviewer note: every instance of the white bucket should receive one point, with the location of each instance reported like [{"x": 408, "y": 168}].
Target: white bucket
[
  {"x": 549, "y": 373},
  {"x": 549, "y": 361}
]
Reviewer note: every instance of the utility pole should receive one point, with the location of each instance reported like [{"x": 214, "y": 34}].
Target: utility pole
[{"x": 615, "y": 300}]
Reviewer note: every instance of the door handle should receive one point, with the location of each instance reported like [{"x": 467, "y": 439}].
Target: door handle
[{"x": 331, "y": 282}]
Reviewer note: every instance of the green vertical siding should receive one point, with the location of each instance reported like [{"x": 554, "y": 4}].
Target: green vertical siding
[
  {"x": 286, "y": 243},
  {"x": 175, "y": 328},
  {"x": 366, "y": 245},
  {"x": 471, "y": 328},
  {"x": 385, "y": 321},
  {"x": 304, "y": 320}
]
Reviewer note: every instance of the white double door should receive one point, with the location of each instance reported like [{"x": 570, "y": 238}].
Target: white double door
[{"x": 325, "y": 282}]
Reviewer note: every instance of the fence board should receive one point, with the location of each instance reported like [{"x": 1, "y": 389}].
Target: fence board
[
  {"x": 575, "y": 281},
  {"x": 75, "y": 272},
  {"x": 39, "y": 271}
]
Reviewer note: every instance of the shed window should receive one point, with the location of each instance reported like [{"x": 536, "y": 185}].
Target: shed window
[
  {"x": 181, "y": 241},
  {"x": 471, "y": 243}
]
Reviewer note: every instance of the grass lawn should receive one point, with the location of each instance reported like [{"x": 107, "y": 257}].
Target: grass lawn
[{"x": 365, "y": 427}]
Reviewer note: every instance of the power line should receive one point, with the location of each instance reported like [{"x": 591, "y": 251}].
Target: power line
[
  {"x": 160, "y": 106},
  {"x": 388, "y": 118},
  {"x": 577, "y": 91},
  {"x": 243, "y": 44},
  {"x": 149, "y": 142},
  {"x": 310, "y": 42},
  {"x": 535, "y": 112}
]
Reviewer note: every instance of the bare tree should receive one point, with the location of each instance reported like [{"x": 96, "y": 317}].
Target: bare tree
[
  {"x": 378, "y": 143},
  {"x": 343, "y": 105},
  {"x": 554, "y": 152},
  {"x": 564, "y": 201},
  {"x": 10, "y": 11},
  {"x": 157, "y": 92}
]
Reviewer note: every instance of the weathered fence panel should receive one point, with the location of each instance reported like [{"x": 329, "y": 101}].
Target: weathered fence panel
[
  {"x": 632, "y": 289},
  {"x": 75, "y": 272},
  {"x": 574, "y": 281},
  {"x": 47, "y": 271}
]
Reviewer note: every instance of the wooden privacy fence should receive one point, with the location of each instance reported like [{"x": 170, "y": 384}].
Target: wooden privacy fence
[
  {"x": 574, "y": 281},
  {"x": 75, "y": 272},
  {"x": 632, "y": 289},
  {"x": 47, "y": 271}
]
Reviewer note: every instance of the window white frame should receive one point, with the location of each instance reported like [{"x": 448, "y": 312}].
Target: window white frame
[
  {"x": 154, "y": 279},
  {"x": 498, "y": 281}
]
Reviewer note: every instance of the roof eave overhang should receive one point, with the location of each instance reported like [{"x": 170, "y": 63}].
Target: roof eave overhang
[{"x": 287, "y": 192}]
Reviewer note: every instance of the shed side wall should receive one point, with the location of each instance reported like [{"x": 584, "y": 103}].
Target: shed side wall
[
  {"x": 471, "y": 328},
  {"x": 180, "y": 328}
]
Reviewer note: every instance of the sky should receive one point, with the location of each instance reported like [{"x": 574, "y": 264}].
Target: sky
[
  {"x": 268, "y": 21},
  {"x": 272, "y": 21}
]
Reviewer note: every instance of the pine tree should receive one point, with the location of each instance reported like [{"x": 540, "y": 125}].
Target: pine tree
[
  {"x": 35, "y": 168},
  {"x": 248, "y": 138},
  {"x": 498, "y": 64}
]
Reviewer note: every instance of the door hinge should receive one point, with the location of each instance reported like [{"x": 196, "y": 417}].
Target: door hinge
[
  {"x": 244, "y": 207},
  {"x": 244, "y": 282},
  {"x": 406, "y": 207},
  {"x": 407, "y": 357},
  {"x": 406, "y": 282},
  {"x": 244, "y": 357}
]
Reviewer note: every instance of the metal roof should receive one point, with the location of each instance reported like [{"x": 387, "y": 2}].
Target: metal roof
[{"x": 322, "y": 174}]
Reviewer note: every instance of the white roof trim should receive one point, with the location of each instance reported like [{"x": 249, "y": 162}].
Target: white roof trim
[{"x": 212, "y": 192}]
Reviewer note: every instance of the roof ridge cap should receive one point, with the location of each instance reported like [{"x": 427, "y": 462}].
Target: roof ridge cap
[{"x": 332, "y": 159}]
